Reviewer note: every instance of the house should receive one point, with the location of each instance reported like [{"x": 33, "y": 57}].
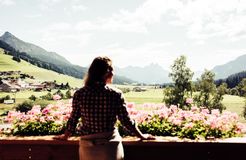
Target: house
[
  {"x": 10, "y": 101},
  {"x": 37, "y": 86},
  {"x": 7, "y": 86},
  {"x": 139, "y": 89},
  {"x": 49, "y": 84}
]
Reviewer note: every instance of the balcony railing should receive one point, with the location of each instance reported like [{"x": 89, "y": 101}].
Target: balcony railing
[{"x": 45, "y": 148}]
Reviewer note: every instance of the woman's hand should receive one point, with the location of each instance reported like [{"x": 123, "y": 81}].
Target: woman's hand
[
  {"x": 147, "y": 137},
  {"x": 62, "y": 137}
]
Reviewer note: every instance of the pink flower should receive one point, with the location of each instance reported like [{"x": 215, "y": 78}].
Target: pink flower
[
  {"x": 140, "y": 118},
  {"x": 50, "y": 118},
  {"x": 212, "y": 123},
  {"x": 205, "y": 111},
  {"x": 189, "y": 125},
  {"x": 70, "y": 101},
  {"x": 45, "y": 110},
  {"x": 35, "y": 110},
  {"x": 174, "y": 108},
  {"x": 194, "y": 108},
  {"x": 177, "y": 122},
  {"x": 42, "y": 120},
  {"x": 56, "y": 97},
  {"x": 240, "y": 128},
  {"x": 130, "y": 105},
  {"x": 189, "y": 100},
  {"x": 215, "y": 112}
]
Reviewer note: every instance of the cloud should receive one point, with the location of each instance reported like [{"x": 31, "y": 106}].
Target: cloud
[
  {"x": 205, "y": 19},
  {"x": 77, "y": 8},
  {"x": 34, "y": 15},
  {"x": 112, "y": 24},
  {"x": 7, "y": 2},
  {"x": 50, "y": 1},
  {"x": 74, "y": 8},
  {"x": 148, "y": 13},
  {"x": 136, "y": 55},
  {"x": 48, "y": 4},
  {"x": 202, "y": 19},
  {"x": 1, "y": 32},
  {"x": 63, "y": 38}
]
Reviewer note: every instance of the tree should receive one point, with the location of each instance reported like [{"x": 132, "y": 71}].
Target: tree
[
  {"x": 169, "y": 96},
  {"x": 242, "y": 87},
  {"x": 68, "y": 94},
  {"x": 59, "y": 92},
  {"x": 48, "y": 96},
  {"x": 62, "y": 86},
  {"x": 33, "y": 97},
  {"x": 67, "y": 86},
  {"x": 209, "y": 96},
  {"x": 206, "y": 89},
  {"x": 7, "y": 97},
  {"x": 17, "y": 59},
  {"x": 182, "y": 78},
  {"x": 24, "y": 106},
  {"x": 244, "y": 109},
  {"x": 234, "y": 91},
  {"x": 218, "y": 97}
]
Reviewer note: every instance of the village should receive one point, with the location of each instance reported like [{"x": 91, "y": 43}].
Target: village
[
  {"x": 15, "y": 81},
  {"x": 8, "y": 83}
]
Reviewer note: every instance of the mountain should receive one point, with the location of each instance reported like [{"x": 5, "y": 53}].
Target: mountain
[
  {"x": 232, "y": 67},
  {"x": 39, "y": 56},
  {"x": 44, "y": 59},
  {"x": 33, "y": 50},
  {"x": 150, "y": 74},
  {"x": 232, "y": 80},
  {"x": 40, "y": 74}
]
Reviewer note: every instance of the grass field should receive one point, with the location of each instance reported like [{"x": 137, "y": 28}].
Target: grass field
[
  {"x": 149, "y": 96},
  {"x": 7, "y": 64},
  {"x": 232, "y": 103}
]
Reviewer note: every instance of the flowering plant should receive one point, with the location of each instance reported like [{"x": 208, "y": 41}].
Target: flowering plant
[
  {"x": 50, "y": 120},
  {"x": 156, "y": 119}
]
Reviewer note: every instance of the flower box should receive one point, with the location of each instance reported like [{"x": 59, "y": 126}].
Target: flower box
[
  {"x": 170, "y": 148},
  {"x": 157, "y": 119}
]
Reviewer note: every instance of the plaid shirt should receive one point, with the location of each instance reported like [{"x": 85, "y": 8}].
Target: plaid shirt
[{"x": 98, "y": 107}]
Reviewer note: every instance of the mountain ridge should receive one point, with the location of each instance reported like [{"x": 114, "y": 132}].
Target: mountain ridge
[
  {"x": 231, "y": 67},
  {"x": 48, "y": 60},
  {"x": 31, "y": 49},
  {"x": 149, "y": 74}
]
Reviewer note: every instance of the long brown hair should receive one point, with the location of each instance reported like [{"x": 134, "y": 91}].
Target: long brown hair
[{"x": 98, "y": 71}]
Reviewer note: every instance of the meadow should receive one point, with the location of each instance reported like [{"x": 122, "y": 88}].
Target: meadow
[{"x": 232, "y": 103}]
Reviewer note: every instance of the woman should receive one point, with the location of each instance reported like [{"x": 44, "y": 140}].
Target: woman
[{"x": 99, "y": 106}]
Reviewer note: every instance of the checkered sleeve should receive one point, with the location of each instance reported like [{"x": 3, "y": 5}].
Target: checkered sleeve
[
  {"x": 75, "y": 114},
  {"x": 124, "y": 116}
]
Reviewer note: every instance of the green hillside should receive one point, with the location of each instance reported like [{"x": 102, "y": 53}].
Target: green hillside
[{"x": 7, "y": 64}]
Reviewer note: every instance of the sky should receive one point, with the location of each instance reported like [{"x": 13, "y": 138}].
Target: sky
[{"x": 132, "y": 32}]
